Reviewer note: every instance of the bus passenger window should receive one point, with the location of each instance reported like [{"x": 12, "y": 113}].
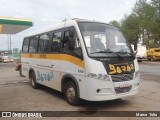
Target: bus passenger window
[
  {"x": 68, "y": 37},
  {"x": 56, "y": 42},
  {"x": 33, "y": 44},
  {"x": 77, "y": 45},
  {"x": 43, "y": 43},
  {"x": 25, "y": 45}
]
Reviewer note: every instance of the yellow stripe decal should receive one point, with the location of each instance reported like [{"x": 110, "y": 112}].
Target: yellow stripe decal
[{"x": 64, "y": 57}]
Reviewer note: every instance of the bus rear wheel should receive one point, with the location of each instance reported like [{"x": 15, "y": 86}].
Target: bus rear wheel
[
  {"x": 20, "y": 72},
  {"x": 71, "y": 94},
  {"x": 34, "y": 84}
]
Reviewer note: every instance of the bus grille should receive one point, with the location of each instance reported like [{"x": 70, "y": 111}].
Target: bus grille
[
  {"x": 122, "y": 77},
  {"x": 119, "y": 90}
]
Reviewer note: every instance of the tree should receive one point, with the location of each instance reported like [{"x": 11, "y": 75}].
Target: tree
[
  {"x": 156, "y": 22},
  {"x": 143, "y": 24},
  {"x": 156, "y": 5},
  {"x": 115, "y": 23},
  {"x": 130, "y": 28},
  {"x": 145, "y": 12}
]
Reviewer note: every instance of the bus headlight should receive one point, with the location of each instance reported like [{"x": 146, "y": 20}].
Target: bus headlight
[
  {"x": 137, "y": 74},
  {"x": 99, "y": 76},
  {"x": 92, "y": 75}
]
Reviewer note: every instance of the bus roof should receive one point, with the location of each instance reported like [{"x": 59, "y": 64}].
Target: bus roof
[{"x": 67, "y": 23}]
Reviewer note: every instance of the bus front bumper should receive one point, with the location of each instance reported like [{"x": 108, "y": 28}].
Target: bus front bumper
[
  {"x": 104, "y": 97},
  {"x": 101, "y": 91}
]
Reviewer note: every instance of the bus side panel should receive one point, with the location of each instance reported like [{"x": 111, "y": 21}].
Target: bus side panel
[
  {"x": 25, "y": 66},
  {"x": 75, "y": 72},
  {"x": 49, "y": 72},
  {"x": 46, "y": 72}
]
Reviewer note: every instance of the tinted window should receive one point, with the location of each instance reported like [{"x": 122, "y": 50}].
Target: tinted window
[
  {"x": 71, "y": 37},
  {"x": 33, "y": 44},
  {"x": 65, "y": 41},
  {"x": 77, "y": 45},
  {"x": 43, "y": 43},
  {"x": 56, "y": 42},
  {"x": 25, "y": 45}
]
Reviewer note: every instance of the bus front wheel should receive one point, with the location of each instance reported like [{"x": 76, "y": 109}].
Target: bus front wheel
[{"x": 71, "y": 93}]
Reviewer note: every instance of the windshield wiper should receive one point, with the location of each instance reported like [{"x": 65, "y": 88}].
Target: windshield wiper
[
  {"x": 124, "y": 53},
  {"x": 108, "y": 51},
  {"x": 127, "y": 53}
]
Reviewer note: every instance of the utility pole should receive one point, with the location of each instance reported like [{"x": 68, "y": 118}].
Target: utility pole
[{"x": 9, "y": 42}]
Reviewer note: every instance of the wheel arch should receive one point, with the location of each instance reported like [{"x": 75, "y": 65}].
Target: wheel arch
[
  {"x": 30, "y": 71},
  {"x": 69, "y": 77}
]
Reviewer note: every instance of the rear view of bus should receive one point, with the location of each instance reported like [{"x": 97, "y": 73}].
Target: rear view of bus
[{"x": 84, "y": 59}]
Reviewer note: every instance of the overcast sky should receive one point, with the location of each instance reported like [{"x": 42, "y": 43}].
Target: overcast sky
[{"x": 50, "y": 12}]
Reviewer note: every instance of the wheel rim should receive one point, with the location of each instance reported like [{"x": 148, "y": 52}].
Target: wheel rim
[{"x": 71, "y": 93}]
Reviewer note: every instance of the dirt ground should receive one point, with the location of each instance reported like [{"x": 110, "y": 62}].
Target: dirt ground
[{"x": 16, "y": 94}]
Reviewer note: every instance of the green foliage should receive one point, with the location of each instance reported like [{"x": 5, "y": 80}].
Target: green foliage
[
  {"x": 143, "y": 24},
  {"x": 156, "y": 5},
  {"x": 130, "y": 27},
  {"x": 115, "y": 23}
]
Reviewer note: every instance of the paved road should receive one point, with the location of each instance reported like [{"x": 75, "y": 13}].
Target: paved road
[
  {"x": 150, "y": 67},
  {"x": 17, "y": 94}
]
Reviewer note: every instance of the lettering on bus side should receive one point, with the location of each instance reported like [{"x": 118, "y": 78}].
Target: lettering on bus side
[
  {"x": 42, "y": 56},
  {"x": 121, "y": 68},
  {"x": 30, "y": 55},
  {"x": 42, "y": 76}
]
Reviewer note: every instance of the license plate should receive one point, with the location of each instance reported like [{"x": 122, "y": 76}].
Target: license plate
[{"x": 124, "y": 84}]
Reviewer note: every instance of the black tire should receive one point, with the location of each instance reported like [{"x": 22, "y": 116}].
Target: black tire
[
  {"x": 71, "y": 94},
  {"x": 20, "y": 73},
  {"x": 34, "y": 84}
]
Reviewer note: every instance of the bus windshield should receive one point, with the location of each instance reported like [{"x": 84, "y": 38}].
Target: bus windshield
[{"x": 104, "y": 40}]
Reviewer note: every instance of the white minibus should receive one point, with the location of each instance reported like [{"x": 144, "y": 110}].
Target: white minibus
[{"x": 84, "y": 59}]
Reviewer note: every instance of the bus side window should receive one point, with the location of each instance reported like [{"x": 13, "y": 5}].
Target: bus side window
[
  {"x": 25, "y": 45},
  {"x": 43, "y": 46},
  {"x": 71, "y": 43},
  {"x": 65, "y": 42},
  {"x": 56, "y": 42},
  {"x": 33, "y": 44},
  {"x": 77, "y": 45}
]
